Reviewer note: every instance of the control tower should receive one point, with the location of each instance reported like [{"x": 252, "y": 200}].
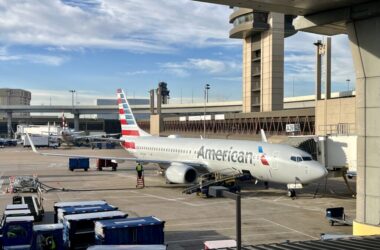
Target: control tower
[{"x": 263, "y": 36}]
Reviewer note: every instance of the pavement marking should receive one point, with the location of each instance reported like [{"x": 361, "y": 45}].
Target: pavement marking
[
  {"x": 210, "y": 222},
  {"x": 206, "y": 237},
  {"x": 291, "y": 229}
]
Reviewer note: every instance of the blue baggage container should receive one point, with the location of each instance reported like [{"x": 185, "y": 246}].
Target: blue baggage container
[
  {"x": 64, "y": 204},
  {"x": 79, "y": 229},
  {"x": 133, "y": 231},
  {"x": 79, "y": 163},
  {"x": 83, "y": 210},
  {"x": 48, "y": 237},
  {"x": 17, "y": 231}
]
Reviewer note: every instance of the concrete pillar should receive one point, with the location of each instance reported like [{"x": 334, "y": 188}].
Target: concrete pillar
[
  {"x": 327, "y": 45},
  {"x": 318, "y": 72},
  {"x": 272, "y": 64},
  {"x": 76, "y": 122},
  {"x": 159, "y": 101},
  {"x": 156, "y": 124},
  {"x": 9, "y": 124},
  {"x": 151, "y": 93},
  {"x": 247, "y": 75},
  {"x": 364, "y": 38}
]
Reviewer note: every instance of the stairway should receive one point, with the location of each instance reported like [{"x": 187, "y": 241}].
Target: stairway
[{"x": 140, "y": 182}]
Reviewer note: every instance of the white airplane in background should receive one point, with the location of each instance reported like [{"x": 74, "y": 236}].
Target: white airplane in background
[
  {"x": 184, "y": 158},
  {"x": 72, "y": 137}
]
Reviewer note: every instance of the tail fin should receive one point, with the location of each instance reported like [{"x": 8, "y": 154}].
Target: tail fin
[{"x": 128, "y": 122}]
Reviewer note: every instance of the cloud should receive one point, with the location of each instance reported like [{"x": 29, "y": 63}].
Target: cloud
[
  {"x": 5, "y": 55},
  {"x": 213, "y": 67},
  {"x": 135, "y": 25}
]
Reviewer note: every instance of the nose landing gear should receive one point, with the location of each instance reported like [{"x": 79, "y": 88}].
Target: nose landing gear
[{"x": 292, "y": 193}]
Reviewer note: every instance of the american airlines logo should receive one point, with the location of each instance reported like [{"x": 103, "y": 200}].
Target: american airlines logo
[{"x": 230, "y": 155}]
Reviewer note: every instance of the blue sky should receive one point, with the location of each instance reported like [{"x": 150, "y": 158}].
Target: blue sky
[{"x": 95, "y": 46}]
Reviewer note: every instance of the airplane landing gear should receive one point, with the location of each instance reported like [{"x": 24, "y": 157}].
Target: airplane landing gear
[{"x": 292, "y": 193}]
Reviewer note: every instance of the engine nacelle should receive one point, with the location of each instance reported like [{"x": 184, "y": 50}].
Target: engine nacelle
[{"x": 180, "y": 173}]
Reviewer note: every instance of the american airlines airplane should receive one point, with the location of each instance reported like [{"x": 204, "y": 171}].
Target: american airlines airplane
[{"x": 184, "y": 158}]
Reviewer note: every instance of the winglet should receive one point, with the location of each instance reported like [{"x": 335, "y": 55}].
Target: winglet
[
  {"x": 31, "y": 143},
  {"x": 263, "y": 136}
]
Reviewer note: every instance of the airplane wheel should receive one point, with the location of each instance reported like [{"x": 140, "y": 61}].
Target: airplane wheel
[{"x": 291, "y": 193}]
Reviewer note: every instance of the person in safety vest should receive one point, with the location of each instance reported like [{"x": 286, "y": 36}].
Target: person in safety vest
[{"x": 140, "y": 170}]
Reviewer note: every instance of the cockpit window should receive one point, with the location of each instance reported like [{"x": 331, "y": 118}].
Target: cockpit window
[
  {"x": 299, "y": 158},
  {"x": 307, "y": 158}
]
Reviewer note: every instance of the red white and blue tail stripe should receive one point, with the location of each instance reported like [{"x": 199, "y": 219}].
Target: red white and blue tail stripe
[{"x": 129, "y": 127}]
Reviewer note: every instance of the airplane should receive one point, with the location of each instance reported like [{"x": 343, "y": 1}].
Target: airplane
[
  {"x": 76, "y": 138},
  {"x": 184, "y": 158}
]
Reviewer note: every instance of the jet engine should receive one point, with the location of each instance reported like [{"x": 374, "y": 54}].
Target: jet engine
[{"x": 180, "y": 173}]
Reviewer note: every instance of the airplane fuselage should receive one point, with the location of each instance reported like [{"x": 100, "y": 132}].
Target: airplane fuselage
[{"x": 269, "y": 162}]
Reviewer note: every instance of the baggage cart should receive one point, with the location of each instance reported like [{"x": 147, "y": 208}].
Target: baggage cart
[
  {"x": 48, "y": 237},
  {"x": 83, "y": 210},
  {"x": 17, "y": 232},
  {"x": 33, "y": 202},
  {"x": 79, "y": 163},
  {"x": 79, "y": 229},
  {"x": 132, "y": 231},
  {"x": 64, "y": 204}
]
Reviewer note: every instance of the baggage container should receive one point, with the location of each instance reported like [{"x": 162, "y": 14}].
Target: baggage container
[
  {"x": 79, "y": 163},
  {"x": 83, "y": 210},
  {"x": 128, "y": 247},
  {"x": 64, "y": 204},
  {"x": 48, "y": 237},
  {"x": 79, "y": 229},
  {"x": 137, "y": 231},
  {"x": 16, "y": 207},
  {"x": 17, "y": 232}
]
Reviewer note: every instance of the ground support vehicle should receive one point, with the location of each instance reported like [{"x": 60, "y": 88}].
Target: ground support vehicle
[
  {"x": 104, "y": 163},
  {"x": 337, "y": 215}
]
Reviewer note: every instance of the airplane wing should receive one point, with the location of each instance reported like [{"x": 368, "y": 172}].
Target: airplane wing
[{"x": 132, "y": 159}]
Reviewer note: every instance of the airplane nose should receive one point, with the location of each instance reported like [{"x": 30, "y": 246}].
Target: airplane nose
[{"x": 319, "y": 171}]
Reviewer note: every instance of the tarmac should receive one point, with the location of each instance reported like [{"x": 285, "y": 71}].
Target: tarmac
[{"x": 268, "y": 215}]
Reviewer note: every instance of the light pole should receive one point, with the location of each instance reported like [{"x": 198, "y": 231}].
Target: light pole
[
  {"x": 207, "y": 87},
  {"x": 348, "y": 84}
]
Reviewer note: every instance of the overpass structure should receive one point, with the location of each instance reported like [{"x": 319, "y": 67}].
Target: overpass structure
[{"x": 360, "y": 19}]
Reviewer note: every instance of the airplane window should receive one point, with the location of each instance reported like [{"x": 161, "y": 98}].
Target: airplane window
[
  {"x": 307, "y": 158},
  {"x": 293, "y": 158},
  {"x": 299, "y": 159}
]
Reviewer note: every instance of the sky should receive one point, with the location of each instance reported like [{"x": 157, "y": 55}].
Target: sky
[{"x": 96, "y": 46}]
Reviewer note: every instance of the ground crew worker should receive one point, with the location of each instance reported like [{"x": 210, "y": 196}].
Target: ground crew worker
[{"x": 140, "y": 170}]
